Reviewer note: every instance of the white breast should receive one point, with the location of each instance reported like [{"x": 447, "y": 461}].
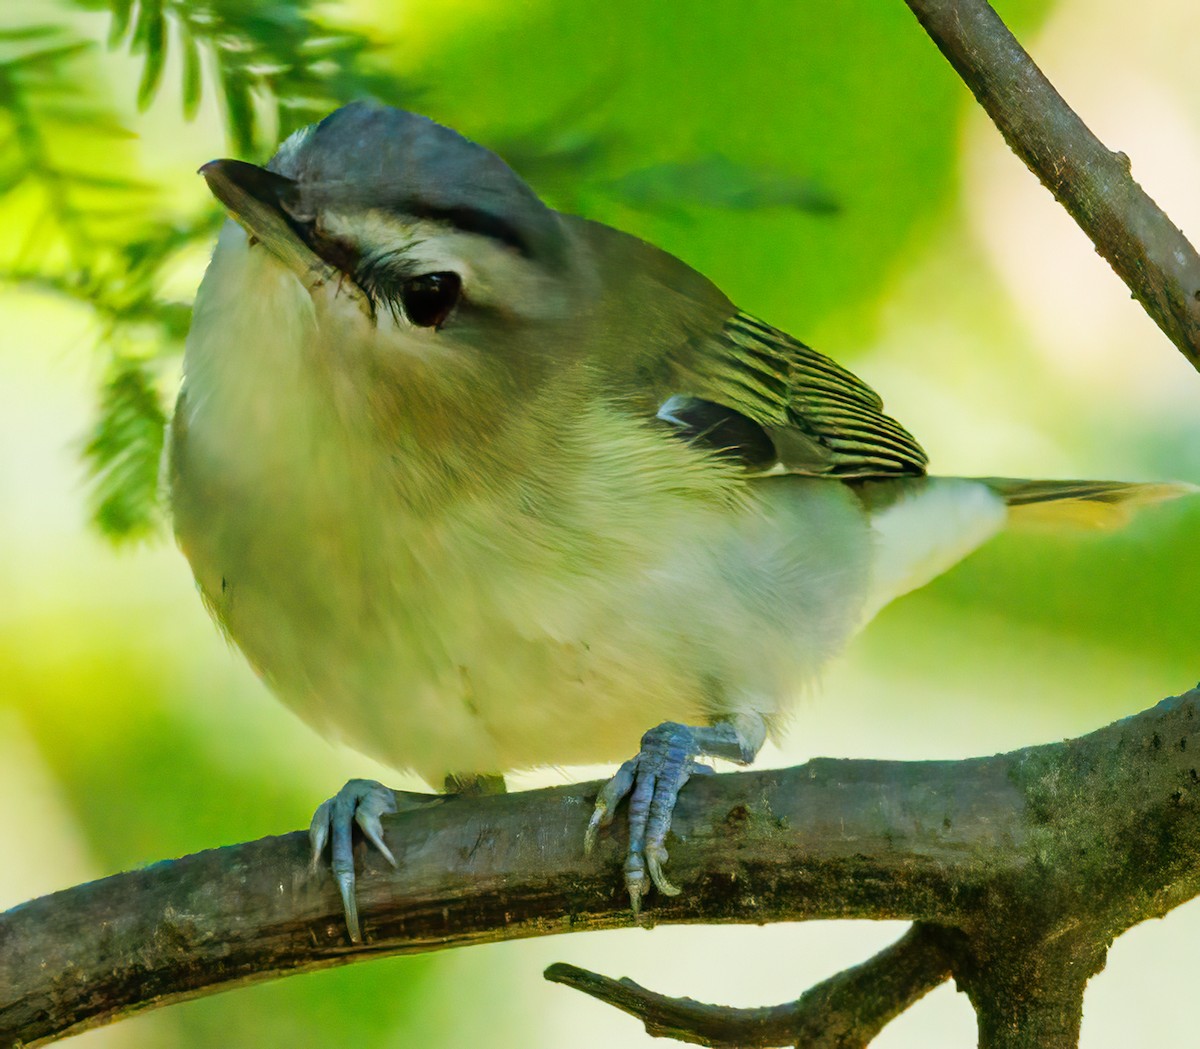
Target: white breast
[{"x": 933, "y": 525}]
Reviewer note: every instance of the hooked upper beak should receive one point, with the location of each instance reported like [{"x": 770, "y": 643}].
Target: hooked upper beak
[{"x": 256, "y": 199}]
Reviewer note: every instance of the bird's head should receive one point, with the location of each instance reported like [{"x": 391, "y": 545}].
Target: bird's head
[
  {"x": 412, "y": 240},
  {"x": 404, "y": 283}
]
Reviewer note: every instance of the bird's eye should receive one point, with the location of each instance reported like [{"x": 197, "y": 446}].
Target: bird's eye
[{"x": 429, "y": 298}]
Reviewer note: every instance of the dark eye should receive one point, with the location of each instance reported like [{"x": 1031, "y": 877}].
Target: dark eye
[{"x": 429, "y": 298}]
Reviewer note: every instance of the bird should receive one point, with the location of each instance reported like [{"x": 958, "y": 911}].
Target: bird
[{"x": 477, "y": 486}]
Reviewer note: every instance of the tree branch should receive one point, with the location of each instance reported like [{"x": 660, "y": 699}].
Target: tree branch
[
  {"x": 1096, "y": 186},
  {"x": 1068, "y": 843},
  {"x": 844, "y": 1012}
]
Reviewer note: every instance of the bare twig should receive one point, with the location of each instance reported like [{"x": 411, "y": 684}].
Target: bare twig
[
  {"x": 1095, "y": 185},
  {"x": 1068, "y": 842},
  {"x": 844, "y": 1012}
]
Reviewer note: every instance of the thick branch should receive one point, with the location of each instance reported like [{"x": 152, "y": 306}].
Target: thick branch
[
  {"x": 844, "y": 1012},
  {"x": 1090, "y": 836},
  {"x": 1026, "y": 985},
  {"x": 1140, "y": 242}
]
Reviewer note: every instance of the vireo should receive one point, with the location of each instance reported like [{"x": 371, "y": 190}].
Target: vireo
[{"x": 477, "y": 486}]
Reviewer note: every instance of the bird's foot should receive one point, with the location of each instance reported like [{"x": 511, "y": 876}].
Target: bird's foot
[
  {"x": 360, "y": 801},
  {"x": 364, "y": 801},
  {"x": 652, "y": 781}
]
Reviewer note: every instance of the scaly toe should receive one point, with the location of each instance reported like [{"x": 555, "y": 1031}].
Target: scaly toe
[
  {"x": 652, "y": 782},
  {"x": 360, "y": 801},
  {"x": 607, "y": 801}
]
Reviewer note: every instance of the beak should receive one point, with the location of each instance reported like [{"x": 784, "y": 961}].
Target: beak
[{"x": 256, "y": 199}]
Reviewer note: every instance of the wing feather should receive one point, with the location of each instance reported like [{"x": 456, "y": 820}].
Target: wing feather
[{"x": 820, "y": 418}]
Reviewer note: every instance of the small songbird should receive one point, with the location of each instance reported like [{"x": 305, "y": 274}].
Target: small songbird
[{"x": 478, "y": 486}]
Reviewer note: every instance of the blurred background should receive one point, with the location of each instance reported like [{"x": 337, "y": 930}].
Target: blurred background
[{"x": 823, "y": 165}]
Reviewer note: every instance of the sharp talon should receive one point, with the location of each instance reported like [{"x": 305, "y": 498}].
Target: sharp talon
[
  {"x": 654, "y": 861},
  {"x": 345, "y": 883},
  {"x": 318, "y": 835},
  {"x": 591, "y": 834},
  {"x": 601, "y": 817},
  {"x": 373, "y": 829},
  {"x": 314, "y": 861}
]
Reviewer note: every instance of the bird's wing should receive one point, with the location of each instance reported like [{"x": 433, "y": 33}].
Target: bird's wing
[{"x": 759, "y": 396}]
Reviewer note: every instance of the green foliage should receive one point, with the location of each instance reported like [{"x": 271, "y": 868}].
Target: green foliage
[
  {"x": 89, "y": 231},
  {"x": 717, "y": 182},
  {"x": 45, "y": 102},
  {"x": 100, "y": 236},
  {"x": 124, "y": 449},
  {"x": 267, "y": 53}
]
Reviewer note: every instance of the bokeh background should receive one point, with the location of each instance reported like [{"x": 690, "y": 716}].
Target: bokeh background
[{"x": 822, "y": 164}]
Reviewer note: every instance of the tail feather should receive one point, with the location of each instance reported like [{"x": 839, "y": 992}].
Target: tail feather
[{"x": 1084, "y": 504}]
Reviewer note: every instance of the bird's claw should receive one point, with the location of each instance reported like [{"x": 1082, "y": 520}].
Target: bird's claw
[
  {"x": 652, "y": 782},
  {"x": 360, "y": 801}
]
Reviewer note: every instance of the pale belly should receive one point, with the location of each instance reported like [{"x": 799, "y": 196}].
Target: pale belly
[{"x": 432, "y": 648}]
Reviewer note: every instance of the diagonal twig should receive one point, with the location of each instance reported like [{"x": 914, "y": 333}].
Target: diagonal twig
[{"x": 1094, "y": 184}]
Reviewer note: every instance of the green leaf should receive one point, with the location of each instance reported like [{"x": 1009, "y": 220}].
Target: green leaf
[
  {"x": 85, "y": 114},
  {"x": 28, "y": 32},
  {"x": 175, "y": 318},
  {"x": 717, "y": 182},
  {"x": 46, "y": 60},
  {"x": 239, "y": 109},
  {"x": 192, "y": 80},
  {"x": 113, "y": 183},
  {"x": 151, "y": 36},
  {"x": 124, "y": 450},
  {"x": 10, "y": 180},
  {"x": 121, "y": 10}
]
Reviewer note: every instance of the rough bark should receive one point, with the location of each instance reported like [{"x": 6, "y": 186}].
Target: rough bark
[{"x": 1028, "y": 860}]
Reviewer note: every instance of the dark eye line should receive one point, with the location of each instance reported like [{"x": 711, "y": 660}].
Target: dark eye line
[{"x": 337, "y": 251}]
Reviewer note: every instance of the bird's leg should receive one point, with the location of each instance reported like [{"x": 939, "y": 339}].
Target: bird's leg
[
  {"x": 652, "y": 780},
  {"x": 474, "y": 786},
  {"x": 363, "y": 801}
]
